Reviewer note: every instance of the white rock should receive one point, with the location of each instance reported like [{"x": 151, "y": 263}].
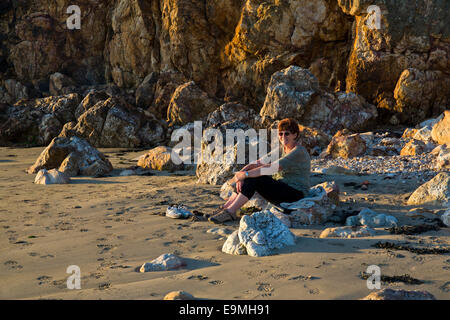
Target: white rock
[
  {"x": 178, "y": 212},
  {"x": 164, "y": 262},
  {"x": 347, "y": 232},
  {"x": 52, "y": 176},
  {"x": 284, "y": 218},
  {"x": 370, "y": 218},
  {"x": 262, "y": 232},
  {"x": 233, "y": 245}
]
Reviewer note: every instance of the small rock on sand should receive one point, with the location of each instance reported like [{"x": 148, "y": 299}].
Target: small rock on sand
[
  {"x": 179, "y": 295},
  {"x": 51, "y": 177},
  {"x": 370, "y": 218},
  {"x": 347, "y": 232},
  {"x": 164, "y": 262}
]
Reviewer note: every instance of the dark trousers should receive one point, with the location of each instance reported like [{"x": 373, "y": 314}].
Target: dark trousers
[{"x": 270, "y": 189}]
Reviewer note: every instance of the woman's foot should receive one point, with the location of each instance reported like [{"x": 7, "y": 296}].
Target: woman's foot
[{"x": 223, "y": 216}]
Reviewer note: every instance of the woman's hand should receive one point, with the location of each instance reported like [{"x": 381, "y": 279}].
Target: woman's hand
[
  {"x": 239, "y": 176},
  {"x": 239, "y": 186}
]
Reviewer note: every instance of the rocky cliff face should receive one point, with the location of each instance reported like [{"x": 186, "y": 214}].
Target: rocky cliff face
[{"x": 396, "y": 58}]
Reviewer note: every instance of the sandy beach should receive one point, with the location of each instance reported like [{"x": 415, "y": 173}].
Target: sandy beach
[{"x": 110, "y": 226}]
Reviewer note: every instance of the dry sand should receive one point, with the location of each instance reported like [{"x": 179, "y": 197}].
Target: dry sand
[{"x": 110, "y": 226}]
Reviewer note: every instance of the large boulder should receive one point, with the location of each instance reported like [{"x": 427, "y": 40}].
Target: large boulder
[
  {"x": 189, "y": 103},
  {"x": 216, "y": 165},
  {"x": 436, "y": 191},
  {"x": 260, "y": 234},
  {"x": 233, "y": 111},
  {"x": 37, "y": 121},
  {"x": 295, "y": 93},
  {"x": 315, "y": 208},
  {"x": 114, "y": 123},
  {"x": 417, "y": 94},
  {"x": 160, "y": 158},
  {"x": 400, "y": 48},
  {"x": 346, "y": 145},
  {"x": 73, "y": 156},
  {"x": 441, "y": 130}
]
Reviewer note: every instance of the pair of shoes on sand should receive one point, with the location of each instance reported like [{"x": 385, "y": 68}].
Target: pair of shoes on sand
[{"x": 222, "y": 215}]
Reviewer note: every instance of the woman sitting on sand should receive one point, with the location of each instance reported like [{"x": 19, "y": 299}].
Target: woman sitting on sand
[{"x": 287, "y": 179}]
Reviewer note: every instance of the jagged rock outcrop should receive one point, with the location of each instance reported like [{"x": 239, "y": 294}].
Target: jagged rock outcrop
[
  {"x": 407, "y": 52},
  {"x": 38, "y": 121},
  {"x": 294, "y": 92},
  {"x": 232, "y": 50},
  {"x": 219, "y": 159},
  {"x": 115, "y": 123},
  {"x": 189, "y": 103},
  {"x": 73, "y": 156}
]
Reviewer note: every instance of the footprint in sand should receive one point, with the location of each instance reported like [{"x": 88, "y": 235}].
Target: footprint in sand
[
  {"x": 314, "y": 291},
  {"x": 13, "y": 265},
  {"x": 279, "y": 276},
  {"x": 104, "y": 286},
  {"x": 44, "y": 279},
  {"x": 197, "y": 277},
  {"x": 303, "y": 278},
  {"x": 61, "y": 284},
  {"x": 265, "y": 287}
]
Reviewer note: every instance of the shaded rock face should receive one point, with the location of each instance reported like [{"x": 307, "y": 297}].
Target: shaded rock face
[
  {"x": 232, "y": 49},
  {"x": 294, "y": 92},
  {"x": 189, "y": 103},
  {"x": 38, "y": 121},
  {"x": 114, "y": 123},
  {"x": 73, "y": 156},
  {"x": 216, "y": 165},
  {"x": 407, "y": 49}
]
